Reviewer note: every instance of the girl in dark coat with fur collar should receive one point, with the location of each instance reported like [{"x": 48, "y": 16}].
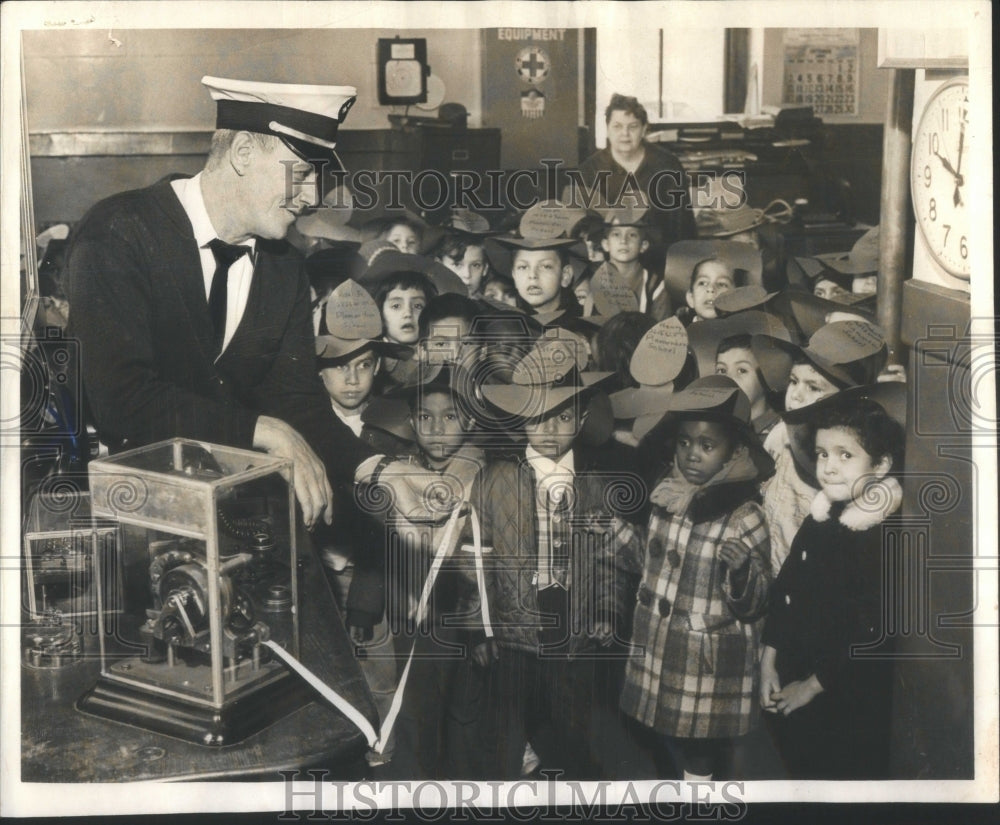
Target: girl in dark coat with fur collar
[{"x": 825, "y": 672}]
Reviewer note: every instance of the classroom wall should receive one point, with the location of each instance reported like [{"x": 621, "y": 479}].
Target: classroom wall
[
  {"x": 150, "y": 78},
  {"x": 139, "y": 95},
  {"x": 873, "y": 82}
]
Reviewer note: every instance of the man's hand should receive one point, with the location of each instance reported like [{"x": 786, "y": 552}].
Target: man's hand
[
  {"x": 485, "y": 653},
  {"x": 312, "y": 488}
]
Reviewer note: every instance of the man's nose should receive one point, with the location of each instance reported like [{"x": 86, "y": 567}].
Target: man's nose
[
  {"x": 306, "y": 196},
  {"x": 352, "y": 377}
]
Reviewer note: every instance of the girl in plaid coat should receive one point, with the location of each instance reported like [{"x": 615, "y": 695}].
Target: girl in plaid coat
[{"x": 706, "y": 572}]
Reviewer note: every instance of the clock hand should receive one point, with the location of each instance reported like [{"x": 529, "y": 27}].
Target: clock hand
[
  {"x": 946, "y": 164},
  {"x": 961, "y": 142},
  {"x": 957, "y": 198}
]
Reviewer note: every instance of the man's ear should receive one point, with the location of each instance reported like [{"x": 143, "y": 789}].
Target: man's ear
[
  {"x": 567, "y": 275},
  {"x": 604, "y": 245},
  {"x": 241, "y": 152},
  {"x": 689, "y": 298},
  {"x": 377, "y": 367},
  {"x": 643, "y": 246}
]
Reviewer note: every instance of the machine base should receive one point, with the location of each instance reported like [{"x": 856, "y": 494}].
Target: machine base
[{"x": 242, "y": 717}]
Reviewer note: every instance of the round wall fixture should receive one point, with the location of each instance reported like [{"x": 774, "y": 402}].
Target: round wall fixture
[{"x": 435, "y": 94}]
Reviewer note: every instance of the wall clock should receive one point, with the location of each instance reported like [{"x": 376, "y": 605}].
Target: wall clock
[{"x": 939, "y": 170}]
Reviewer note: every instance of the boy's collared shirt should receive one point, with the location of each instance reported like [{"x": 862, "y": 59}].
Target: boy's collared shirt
[
  {"x": 644, "y": 296},
  {"x": 188, "y": 191},
  {"x": 353, "y": 420},
  {"x": 553, "y": 497}
]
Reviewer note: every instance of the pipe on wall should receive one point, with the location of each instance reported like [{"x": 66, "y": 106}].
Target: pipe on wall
[{"x": 895, "y": 224}]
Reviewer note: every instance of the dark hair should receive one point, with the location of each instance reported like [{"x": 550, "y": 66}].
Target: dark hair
[
  {"x": 561, "y": 251},
  {"x": 627, "y": 104},
  {"x": 703, "y": 261},
  {"x": 414, "y": 398},
  {"x": 404, "y": 279},
  {"x": 615, "y": 342},
  {"x": 499, "y": 278},
  {"x": 741, "y": 341},
  {"x": 589, "y": 228},
  {"x": 878, "y": 433},
  {"x": 453, "y": 245},
  {"x": 448, "y": 305},
  {"x": 642, "y": 230},
  {"x": 385, "y": 226}
]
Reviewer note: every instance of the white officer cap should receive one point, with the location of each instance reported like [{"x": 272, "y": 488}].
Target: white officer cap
[{"x": 304, "y": 117}]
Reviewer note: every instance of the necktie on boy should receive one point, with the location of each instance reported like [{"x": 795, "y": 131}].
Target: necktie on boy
[{"x": 225, "y": 254}]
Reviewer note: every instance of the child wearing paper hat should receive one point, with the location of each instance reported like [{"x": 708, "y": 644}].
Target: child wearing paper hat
[
  {"x": 462, "y": 248},
  {"x": 533, "y": 509},
  {"x": 626, "y": 239},
  {"x": 839, "y": 355},
  {"x": 440, "y": 423},
  {"x": 830, "y": 709},
  {"x": 349, "y": 351},
  {"x": 706, "y": 574},
  {"x": 537, "y": 258}
]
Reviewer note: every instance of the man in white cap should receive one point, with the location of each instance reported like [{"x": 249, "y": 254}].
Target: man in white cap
[{"x": 194, "y": 316}]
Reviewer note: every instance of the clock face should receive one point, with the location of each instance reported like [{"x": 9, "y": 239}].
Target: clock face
[{"x": 938, "y": 173}]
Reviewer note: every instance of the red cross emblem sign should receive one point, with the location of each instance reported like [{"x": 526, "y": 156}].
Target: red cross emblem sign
[{"x": 532, "y": 65}]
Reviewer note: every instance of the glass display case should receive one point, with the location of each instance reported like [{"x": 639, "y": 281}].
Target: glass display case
[
  {"x": 61, "y": 541},
  {"x": 211, "y": 556}
]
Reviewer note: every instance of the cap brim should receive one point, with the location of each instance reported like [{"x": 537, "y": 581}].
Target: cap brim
[
  {"x": 391, "y": 261},
  {"x": 753, "y": 296},
  {"x": 810, "y": 312},
  {"x": 331, "y": 350},
  {"x": 775, "y": 357},
  {"x": 391, "y": 415},
  {"x": 891, "y": 396},
  {"x": 844, "y": 263},
  {"x": 531, "y": 401},
  {"x": 705, "y": 336},
  {"x": 683, "y": 255},
  {"x": 500, "y": 249}
]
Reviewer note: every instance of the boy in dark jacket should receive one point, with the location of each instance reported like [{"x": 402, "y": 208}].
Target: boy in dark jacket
[{"x": 551, "y": 600}]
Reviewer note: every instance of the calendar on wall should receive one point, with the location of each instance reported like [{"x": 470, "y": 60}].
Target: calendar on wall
[{"x": 821, "y": 70}]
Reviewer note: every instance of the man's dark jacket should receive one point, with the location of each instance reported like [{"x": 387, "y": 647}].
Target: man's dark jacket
[{"x": 138, "y": 308}]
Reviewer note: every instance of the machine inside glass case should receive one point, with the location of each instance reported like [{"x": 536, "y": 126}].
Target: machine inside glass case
[{"x": 209, "y": 549}]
